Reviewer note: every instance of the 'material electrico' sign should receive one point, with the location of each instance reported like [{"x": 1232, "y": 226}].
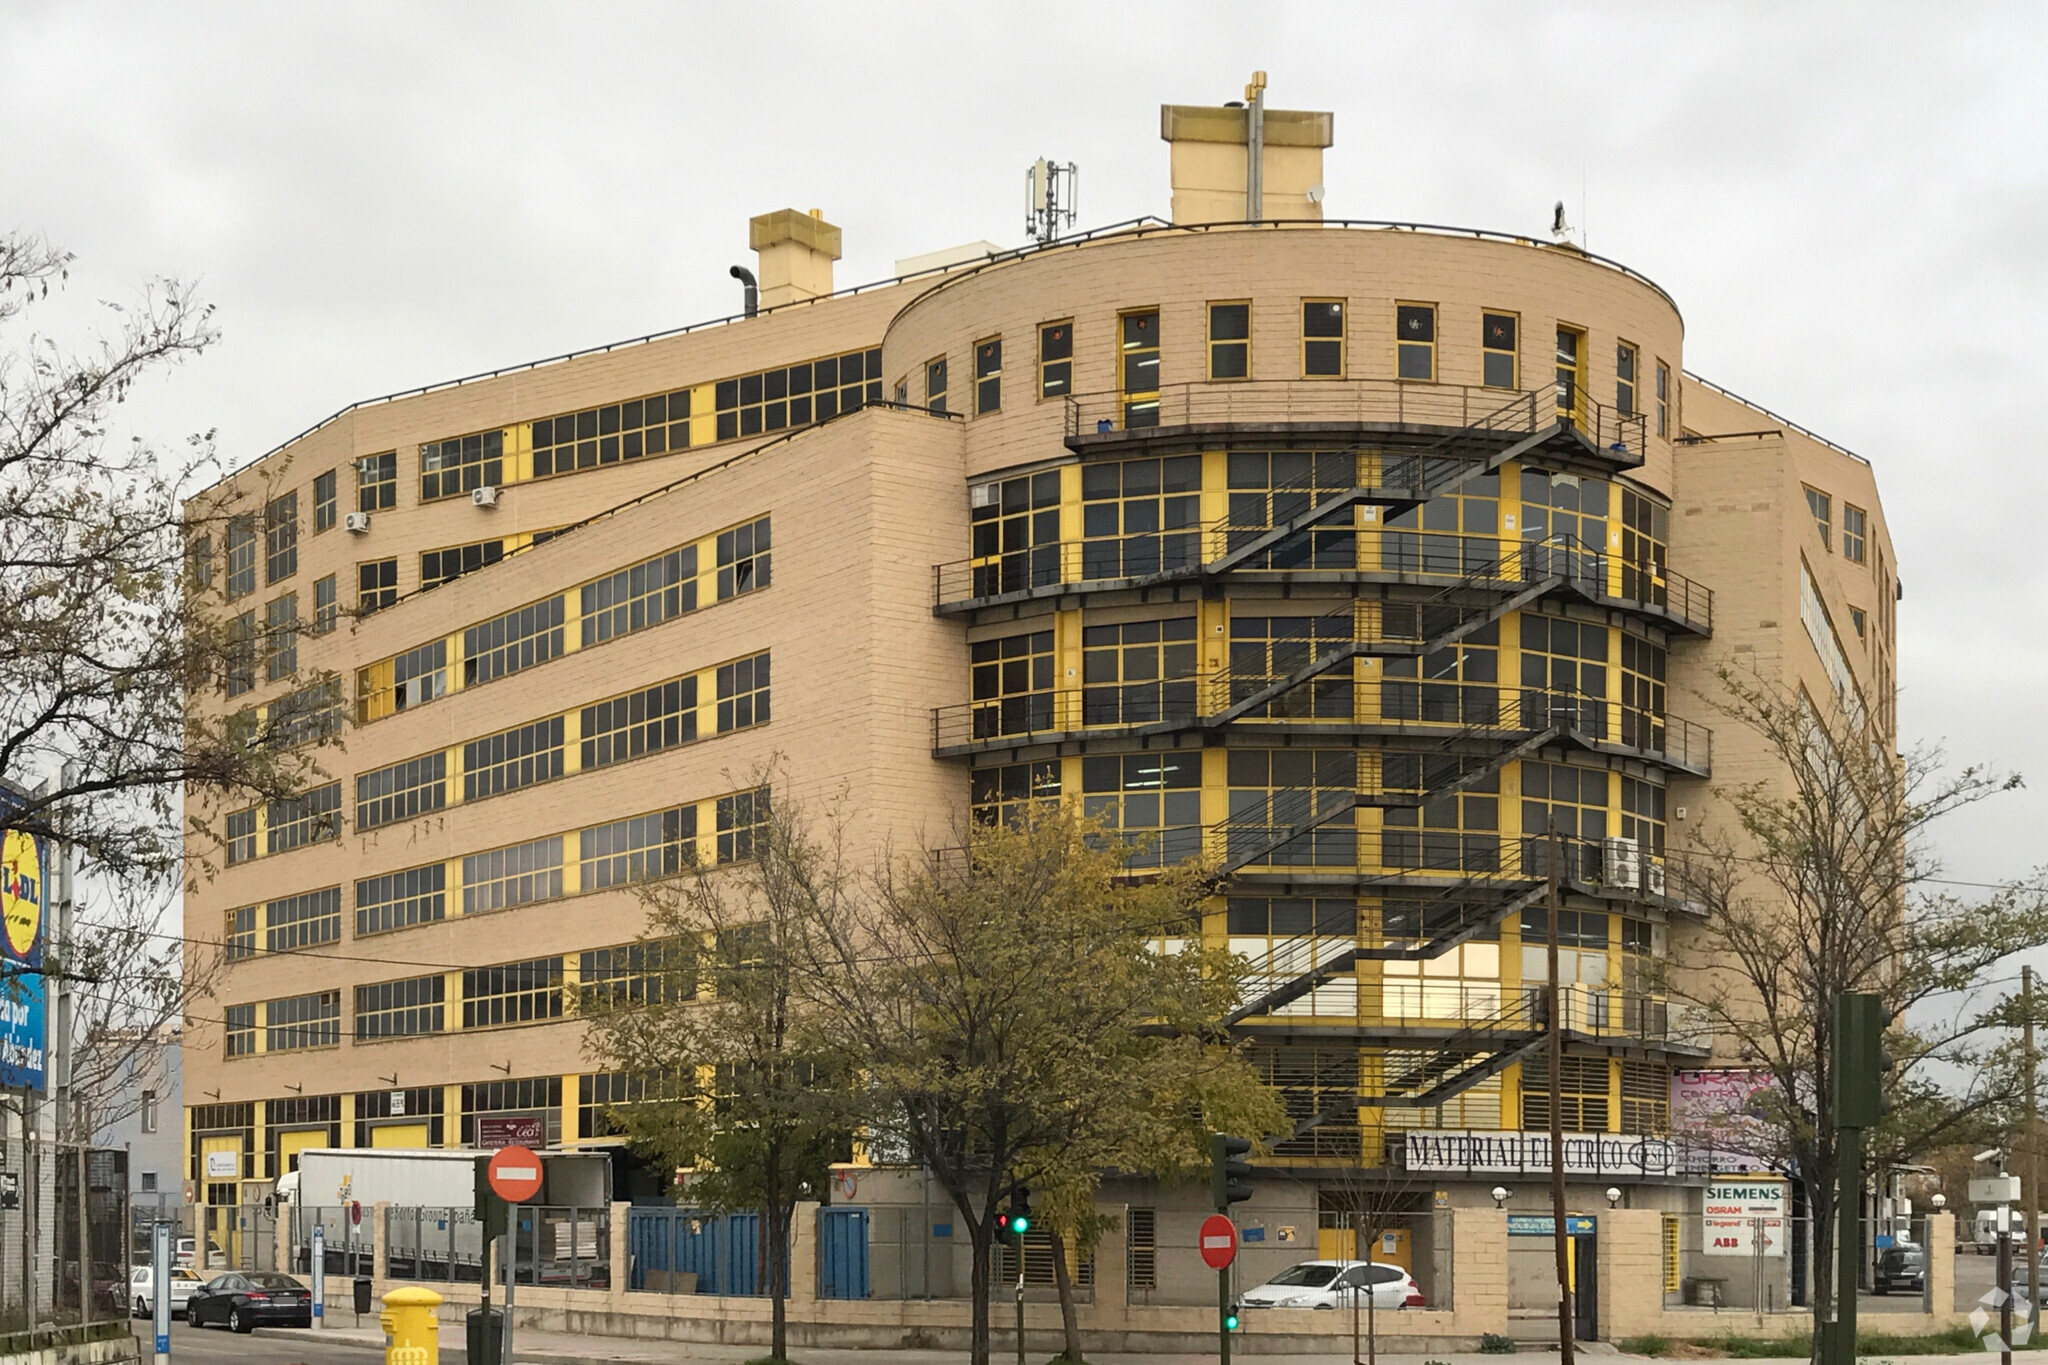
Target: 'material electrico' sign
[{"x": 24, "y": 898}]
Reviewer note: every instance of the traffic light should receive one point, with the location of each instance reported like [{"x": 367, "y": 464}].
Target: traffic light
[
  {"x": 1861, "y": 1065},
  {"x": 1015, "y": 1221},
  {"x": 1227, "y": 1171},
  {"x": 1230, "y": 1321}
]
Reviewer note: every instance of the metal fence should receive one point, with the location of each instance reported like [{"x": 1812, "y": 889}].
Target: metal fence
[
  {"x": 65, "y": 1254},
  {"x": 1766, "y": 1265},
  {"x": 345, "y": 1234},
  {"x": 557, "y": 1246}
]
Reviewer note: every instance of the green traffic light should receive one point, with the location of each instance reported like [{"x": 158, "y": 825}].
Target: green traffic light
[
  {"x": 1020, "y": 1225},
  {"x": 1230, "y": 1322}
]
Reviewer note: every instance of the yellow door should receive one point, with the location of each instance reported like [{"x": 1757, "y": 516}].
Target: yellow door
[
  {"x": 1336, "y": 1244},
  {"x": 1138, "y": 367},
  {"x": 1571, "y": 375},
  {"x": 399, "y": 1135},
  {"x": 289, "y": 1145},
  {"x": 1395, "y": 1247}
]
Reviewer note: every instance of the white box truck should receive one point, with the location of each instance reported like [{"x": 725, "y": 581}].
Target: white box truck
[{"x": 432, "y": 1217}]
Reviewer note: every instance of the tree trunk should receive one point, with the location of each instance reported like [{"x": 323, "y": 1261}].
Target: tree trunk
[
  {"x": 980, "y": 1231},
  {"x": 1070, "y": 1320},
  {"x": 779, "y": 1218},
  {"x": 778, "y": 1281},
  {"x": 1821, "y": 1205}
]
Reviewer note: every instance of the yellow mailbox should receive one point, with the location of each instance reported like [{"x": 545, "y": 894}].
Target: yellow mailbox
[{"x": 412, "y": 1335}]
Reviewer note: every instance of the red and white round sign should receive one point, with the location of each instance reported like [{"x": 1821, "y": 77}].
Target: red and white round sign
[
  {"x": 1219, "y": 1241},
  {"x": 515, "y": 1174}
]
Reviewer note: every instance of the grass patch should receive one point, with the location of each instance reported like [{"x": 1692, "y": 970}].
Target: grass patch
[{"x": 1957, "y": 1340}]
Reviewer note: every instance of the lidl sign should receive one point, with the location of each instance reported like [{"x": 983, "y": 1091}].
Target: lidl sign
[{"x": 24, "y": 899}]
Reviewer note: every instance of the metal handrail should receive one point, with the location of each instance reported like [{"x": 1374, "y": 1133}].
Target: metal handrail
[
  {"x": 1397, "y": 402},
  {"x": 1474, "y": 710}
]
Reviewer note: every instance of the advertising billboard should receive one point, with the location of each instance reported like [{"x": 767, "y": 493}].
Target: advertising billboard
[
  {"x": 24, "y": 898},
  {"x": 1729, "y": 1111},
  {"x": 1745, "y": 1216}
]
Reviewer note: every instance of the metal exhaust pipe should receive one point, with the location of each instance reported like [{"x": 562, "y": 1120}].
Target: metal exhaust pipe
[{"x": 746, "y": 278}]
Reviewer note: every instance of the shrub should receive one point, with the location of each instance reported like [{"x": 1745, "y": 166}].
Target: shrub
[{"x": 1494, "y": 1344}]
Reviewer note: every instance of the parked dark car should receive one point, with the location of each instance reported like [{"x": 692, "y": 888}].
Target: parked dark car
[
  {"x": 243, "y": 1301},
  {"x": 1900, "y": 1268}
]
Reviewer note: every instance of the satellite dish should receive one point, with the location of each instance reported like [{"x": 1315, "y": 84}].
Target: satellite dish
[{"x": 1315, "y": 194}]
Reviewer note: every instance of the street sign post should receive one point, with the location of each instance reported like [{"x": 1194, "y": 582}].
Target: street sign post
[
  {"x": 319, "y": 1275},
  {"x": 1219, "y": 1242},
  {"x": 160, "y": 1288},
  {"x": 515, "y": 1176}
]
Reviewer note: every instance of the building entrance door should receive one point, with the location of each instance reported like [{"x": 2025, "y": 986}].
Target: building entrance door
[{"x": 1585, "y": 1287}]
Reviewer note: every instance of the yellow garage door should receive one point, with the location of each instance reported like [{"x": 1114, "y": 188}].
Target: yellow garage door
[
  {"x": 399, "y": 1135},
  {"x": 289, "y": 1145}
]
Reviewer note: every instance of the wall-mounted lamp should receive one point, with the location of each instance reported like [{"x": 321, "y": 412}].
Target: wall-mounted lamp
[
  {"x": 1500, "y": 1196},
  {"x": 1614, "y": 1196}
]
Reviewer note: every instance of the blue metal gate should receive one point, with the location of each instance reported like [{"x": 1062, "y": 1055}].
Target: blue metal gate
[
  {"x": 673, "y": 1240},
  {"x": 722, "y": 1250},
  {"x": 843, "y": 1253},
  {"x": 742, "y": 1253}
]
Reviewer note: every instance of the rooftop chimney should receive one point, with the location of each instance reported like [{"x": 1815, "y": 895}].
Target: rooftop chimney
[
  {"x": 796, "y": 254},
  {"x": 1216, "y": 180}
]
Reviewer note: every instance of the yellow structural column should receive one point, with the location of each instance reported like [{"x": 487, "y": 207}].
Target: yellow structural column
[{"x": 412, "y": 1333}]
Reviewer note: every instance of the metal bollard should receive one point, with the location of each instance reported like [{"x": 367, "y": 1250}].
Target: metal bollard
[{"x": 412, "y": 1335}]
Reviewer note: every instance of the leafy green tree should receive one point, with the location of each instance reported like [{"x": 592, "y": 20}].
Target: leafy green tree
[
  {"x": 1821, "y": 881},
  {"x": 729, "y": 1075},
  {"x": 1011, "y": 1004},
  {"x": 1192, "y": 1087},
  {"x": 115, "y": 631}
]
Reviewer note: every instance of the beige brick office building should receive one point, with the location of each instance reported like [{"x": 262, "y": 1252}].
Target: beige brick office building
[{"x": 1356, "y": 557}]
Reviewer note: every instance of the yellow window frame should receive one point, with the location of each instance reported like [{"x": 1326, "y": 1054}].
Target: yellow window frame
[
  {"x": 1403, "y": 347},
  {"x": 1341, "y": 339},
  {"x": 1216, "y": 345},
  {"x": 1512, "y": 352}
]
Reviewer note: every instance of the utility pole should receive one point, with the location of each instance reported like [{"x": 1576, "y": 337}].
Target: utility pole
[
  {"x": 2029, "y": 1190},
  {"x": 1856, "y": 1080},
  {"x": 1559, "y": 1240}
]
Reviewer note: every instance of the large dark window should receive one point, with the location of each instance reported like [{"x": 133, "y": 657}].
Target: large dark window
[
  {"x": 1230, "y": 340},
  {"x": 1141, "y": 516},
  {"x": 607, "y": 435},
  {"x": 1322, "y": 338}
]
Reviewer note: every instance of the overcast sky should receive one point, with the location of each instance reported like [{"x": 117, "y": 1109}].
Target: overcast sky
[{"x": 1847, "y": 201}]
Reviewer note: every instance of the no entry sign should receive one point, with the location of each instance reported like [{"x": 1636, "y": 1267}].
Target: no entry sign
[
  {"x": 1219, "y": 1241},
  {"x": 515, "y": 1175}
]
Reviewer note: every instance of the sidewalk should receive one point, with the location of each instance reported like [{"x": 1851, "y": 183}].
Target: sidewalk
[{"x": 558, "y": 1348}]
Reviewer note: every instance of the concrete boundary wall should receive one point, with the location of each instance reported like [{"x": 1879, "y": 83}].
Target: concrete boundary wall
[{"x": 1631, "y": 1303}]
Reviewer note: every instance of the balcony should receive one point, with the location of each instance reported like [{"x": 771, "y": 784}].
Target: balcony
[
  {"x": 1348, "y": 553},
  {"x": 1324, "y": 412},
  {"x": 1427, "y": 720}
]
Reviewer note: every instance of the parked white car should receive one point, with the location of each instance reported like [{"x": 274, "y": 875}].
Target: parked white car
[
  {"x": 142, "y": 1290},
  {"x": 1335, "y": 1284}
]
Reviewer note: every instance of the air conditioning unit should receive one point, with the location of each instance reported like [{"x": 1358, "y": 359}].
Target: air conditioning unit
[
  {"x": 356, "y": 522},
  {"x": 486, "y": 496},
  {"x": 1653, "y": 876},
  {"x": 1622, "y": 863}
]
